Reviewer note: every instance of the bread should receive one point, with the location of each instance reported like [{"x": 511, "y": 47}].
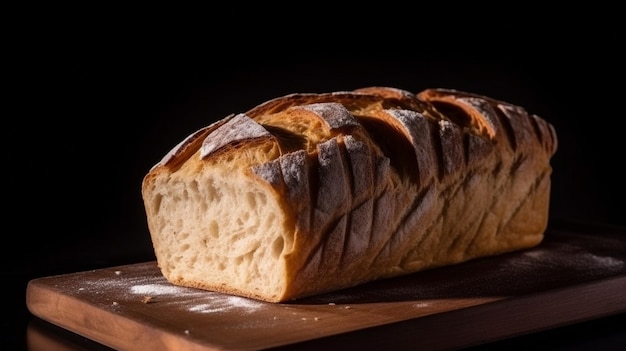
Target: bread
[{"x": 312, "y": 193}]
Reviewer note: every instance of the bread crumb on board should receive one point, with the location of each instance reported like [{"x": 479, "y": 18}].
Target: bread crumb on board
[{"x": 147, "y": 299}]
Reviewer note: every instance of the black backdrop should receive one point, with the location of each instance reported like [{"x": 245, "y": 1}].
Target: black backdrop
[
  {"x": 94, "y": 123},
  {"x": 92, "y": 106}
]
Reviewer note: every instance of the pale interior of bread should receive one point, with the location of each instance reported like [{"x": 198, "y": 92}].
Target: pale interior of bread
[{"x": 227, "y": 226}]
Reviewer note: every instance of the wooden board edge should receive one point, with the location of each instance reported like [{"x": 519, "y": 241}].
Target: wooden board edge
[
  {"x": 507, "y": 319},
  {"x": 87, "y": 320}
]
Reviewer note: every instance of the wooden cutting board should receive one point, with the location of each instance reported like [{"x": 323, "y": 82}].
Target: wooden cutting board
[{"x": 570, "y": 277}]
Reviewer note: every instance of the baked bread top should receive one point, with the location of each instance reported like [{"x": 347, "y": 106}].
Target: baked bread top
[{"x": 309, "y": 193}]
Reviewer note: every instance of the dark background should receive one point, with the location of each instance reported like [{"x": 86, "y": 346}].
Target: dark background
[{"x": 92, "y": 109}]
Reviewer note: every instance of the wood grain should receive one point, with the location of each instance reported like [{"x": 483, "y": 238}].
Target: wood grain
[{"x": 571, "y": 277}]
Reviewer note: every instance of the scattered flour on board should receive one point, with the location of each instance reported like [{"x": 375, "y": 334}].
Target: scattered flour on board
[
  {"x": 226, "y": 303},
  {"x": 571, "y": 257},
  {"x": 158, "y": 290},
  {"x": 197, "y": 300}
]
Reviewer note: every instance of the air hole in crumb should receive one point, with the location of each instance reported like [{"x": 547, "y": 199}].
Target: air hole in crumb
[
  {"x": 250, "y": 199},
  {"x": 278, "y": 246},
  {"x": 214, "y": 229}
]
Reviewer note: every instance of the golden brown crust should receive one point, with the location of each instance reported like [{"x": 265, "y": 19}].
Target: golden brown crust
[{"x": 372, "y": 183}]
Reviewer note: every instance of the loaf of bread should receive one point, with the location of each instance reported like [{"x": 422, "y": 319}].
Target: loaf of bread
[{"x": 312, "y": 193}]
